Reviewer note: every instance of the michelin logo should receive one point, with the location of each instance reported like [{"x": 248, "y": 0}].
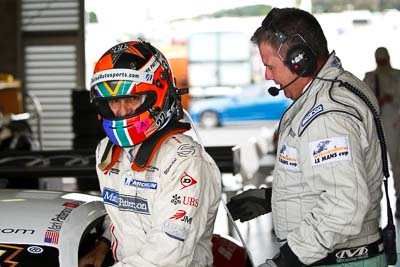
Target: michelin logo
[
  {"x": 140, "y": 184},
  {"x": 313, "y": 113},
  {"x": 125, "y": 203}
]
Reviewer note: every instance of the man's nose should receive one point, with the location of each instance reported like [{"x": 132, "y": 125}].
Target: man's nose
[
  {"x": 268, "y": 75},
  {"x": 125, "y": 109}
]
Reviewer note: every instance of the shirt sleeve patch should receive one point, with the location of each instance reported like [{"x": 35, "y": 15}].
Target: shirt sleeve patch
[{"x": 330, "y": 150}]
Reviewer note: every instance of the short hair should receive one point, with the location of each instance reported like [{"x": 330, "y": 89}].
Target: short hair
[{"x": 292, "y": 22}]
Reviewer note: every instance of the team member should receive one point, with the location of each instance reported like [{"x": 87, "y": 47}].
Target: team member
[
  {"x": 160, "y": 188},
  {"x": 385, "y": 82},
  {"x": 327, "y": 180}
]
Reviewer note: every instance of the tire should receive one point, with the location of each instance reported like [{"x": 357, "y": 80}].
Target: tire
[{"x": 209, "y": 119}]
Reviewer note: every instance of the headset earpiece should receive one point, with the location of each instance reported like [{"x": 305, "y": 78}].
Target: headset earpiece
[{"x": 301, "y": 60}]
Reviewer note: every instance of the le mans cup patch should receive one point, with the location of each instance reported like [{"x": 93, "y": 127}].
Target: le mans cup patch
[
  {"x": 330, "y": 150},
  {"x": 288, "y": 157}
]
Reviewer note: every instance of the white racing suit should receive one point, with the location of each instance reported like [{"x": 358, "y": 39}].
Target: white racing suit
[
  {"x": 328, "y": 176},
  {"x": 389, "y": 84},
  {"x": 164, "y": 215}
]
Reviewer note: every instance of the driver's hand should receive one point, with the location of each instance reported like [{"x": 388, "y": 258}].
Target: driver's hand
[{"x": 96, "y": 256}]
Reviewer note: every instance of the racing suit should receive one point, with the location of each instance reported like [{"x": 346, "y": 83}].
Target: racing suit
[
  {"x": 386, "y": 80},
  {"x": 164, "y": 215},
  {"x": 328, "y": 176}
]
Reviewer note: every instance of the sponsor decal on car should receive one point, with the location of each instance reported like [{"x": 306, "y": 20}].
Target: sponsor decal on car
[
  {"x": 16, "y": 231},
  {"x": 52, "y": 232},
  {"x": 187, "y": 180},
  {"x": 9, "y": 253}
]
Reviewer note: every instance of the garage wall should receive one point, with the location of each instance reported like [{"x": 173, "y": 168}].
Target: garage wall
[
  {"x": 8, "y": 41},
  {"x": 52, "y": 66}
]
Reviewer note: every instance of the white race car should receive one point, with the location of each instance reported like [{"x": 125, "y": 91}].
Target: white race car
[
  {"x": 41, "y": 228},
  {"x": 47, "y": 228}
]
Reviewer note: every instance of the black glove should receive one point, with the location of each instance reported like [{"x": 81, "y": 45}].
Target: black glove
[
  {"x": 285, "y": 258},
  {"x": 250, "y": 204}
]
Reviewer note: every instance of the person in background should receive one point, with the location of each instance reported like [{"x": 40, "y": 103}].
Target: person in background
[
  {"x": 326, "y": 191},
  {"x": 385, "y": 82},
  {"x": 160, "y": 188}
]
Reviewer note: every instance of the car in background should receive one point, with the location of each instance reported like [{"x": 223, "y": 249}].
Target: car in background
[
  {"x": 48, "y": 228},
  {"x": 252, "y": 103}
]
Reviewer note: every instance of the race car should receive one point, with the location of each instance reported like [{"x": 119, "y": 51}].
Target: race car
[
  {"x": 52, "y": 228},
  {"x": 47, "y": 228}
]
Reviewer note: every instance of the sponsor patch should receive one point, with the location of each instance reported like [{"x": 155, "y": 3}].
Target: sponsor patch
[
  {"x": 187, "y": 180},
  {"x": 113, "y": 171},
  {"x": 125, "y": 203},
  {"x": 166, "y": 171},
  {"x": 130, "y": 181},
  {"x": 311, "y": 114},
  {"x": 180, "y": 215},
  {"x": 187, "y": 201},
  {"x": 134, "y": 204},
  {"x": 176, "y": 199},
  {"x": 111, "y": 197},
  {"x": 185, "y": 150},
  {"x": 330, "y": 150},
  {"x": 174, "y": 230},
  {"x": 288, "y": 157}
]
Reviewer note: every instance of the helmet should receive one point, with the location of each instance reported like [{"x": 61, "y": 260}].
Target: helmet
[{"x": 134, "y": 68}]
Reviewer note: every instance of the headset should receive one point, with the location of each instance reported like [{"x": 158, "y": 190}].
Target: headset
[{"x": 300, "y": 58}]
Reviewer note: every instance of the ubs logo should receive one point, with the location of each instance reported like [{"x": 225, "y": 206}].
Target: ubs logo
[{"x": 350, "y": 253}]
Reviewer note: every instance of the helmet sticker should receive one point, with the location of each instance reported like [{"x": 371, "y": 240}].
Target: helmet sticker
[
  {"x": 142, "y": 125},
  {"x": 122, "y": 74}
]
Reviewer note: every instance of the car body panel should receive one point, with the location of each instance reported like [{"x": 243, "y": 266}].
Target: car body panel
[{"x": 48, "y": 219}]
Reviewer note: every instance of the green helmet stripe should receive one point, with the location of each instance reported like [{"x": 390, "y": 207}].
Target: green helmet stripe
[{"x": 120, "y": 133}]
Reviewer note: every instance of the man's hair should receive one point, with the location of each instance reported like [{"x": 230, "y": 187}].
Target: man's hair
[{"x": 292, "y": 22}]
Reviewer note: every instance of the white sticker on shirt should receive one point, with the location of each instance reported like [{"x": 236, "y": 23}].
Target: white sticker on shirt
[
  {"x": 330, "y": 150},
  {"x": 288, "y": 157}
]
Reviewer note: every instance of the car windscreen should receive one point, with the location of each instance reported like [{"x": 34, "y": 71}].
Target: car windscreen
[{"x": 28, "y": 255}]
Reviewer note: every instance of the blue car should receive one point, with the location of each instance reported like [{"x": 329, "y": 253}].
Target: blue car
[{"x": 253, "y": 103}]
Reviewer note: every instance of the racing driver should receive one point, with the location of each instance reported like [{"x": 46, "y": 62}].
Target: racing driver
[{"x": 160, "y": 188}]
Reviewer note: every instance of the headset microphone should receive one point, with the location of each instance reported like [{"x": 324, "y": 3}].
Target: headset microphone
[{"x": 274, "y": 91}]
